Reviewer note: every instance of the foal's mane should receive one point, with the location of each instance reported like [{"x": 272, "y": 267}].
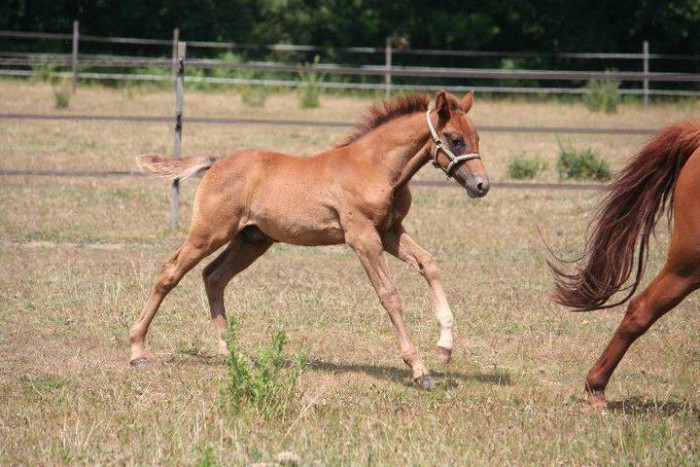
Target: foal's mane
[{"x": 382, "y": 112}]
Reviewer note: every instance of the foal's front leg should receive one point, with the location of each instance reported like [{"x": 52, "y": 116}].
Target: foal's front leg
[
  {"x": 398, "y": 243},
  {"x": 368, "y": 246}
]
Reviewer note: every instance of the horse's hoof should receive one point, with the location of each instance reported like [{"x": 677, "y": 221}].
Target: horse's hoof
[
  {"x": 138, "y": 362},
  {"x": 444, "y": 355},
  {"x": 426, "y": 382}
]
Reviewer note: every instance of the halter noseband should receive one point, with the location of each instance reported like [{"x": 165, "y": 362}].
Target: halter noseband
[{"x": 455, "y": 161}]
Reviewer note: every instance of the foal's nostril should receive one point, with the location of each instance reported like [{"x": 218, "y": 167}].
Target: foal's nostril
[{"x": 480, "y": 187}]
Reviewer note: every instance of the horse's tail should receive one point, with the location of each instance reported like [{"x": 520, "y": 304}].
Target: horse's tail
[
  {"x": 635, "y": 202},
  {"x": 165, "y": 167}
]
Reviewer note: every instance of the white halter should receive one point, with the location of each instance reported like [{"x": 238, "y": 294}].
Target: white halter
[{"x": 455, "y": 161}]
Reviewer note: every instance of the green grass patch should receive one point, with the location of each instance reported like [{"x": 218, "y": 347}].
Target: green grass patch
[
  {"x": 310, "y": 88},
  {"x": 582, "y": 164},
  {"x": 602, "y": 96},
  {"x": 521, "y": 167},
  {"x": 265, "y": 382}
]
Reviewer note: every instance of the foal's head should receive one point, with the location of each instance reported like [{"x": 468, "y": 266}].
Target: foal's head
[{"x": 455, "y": 146}]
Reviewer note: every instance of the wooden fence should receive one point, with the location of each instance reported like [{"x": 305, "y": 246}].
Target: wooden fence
[{"x": 387, "y": 71}]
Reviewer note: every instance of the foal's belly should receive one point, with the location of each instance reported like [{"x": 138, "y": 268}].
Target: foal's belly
[{"x": 306, "y": 227}]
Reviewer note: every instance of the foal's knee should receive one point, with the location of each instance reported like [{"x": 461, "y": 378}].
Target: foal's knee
[{"x": 429, "y": 268}]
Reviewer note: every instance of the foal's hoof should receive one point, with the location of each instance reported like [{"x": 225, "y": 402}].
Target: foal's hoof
[
  {"x": 444, "y": 355},
  {"x": 425, "y": 382},
  {"x": 138, "y": 362},
  {"x": 597, "y": 402}
]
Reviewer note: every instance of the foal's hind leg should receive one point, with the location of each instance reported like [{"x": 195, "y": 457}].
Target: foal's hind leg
[
  {"x": 174, "y": 268},
  {"x": 398, "y": 243},
  {"x": 239, "y": 254}
]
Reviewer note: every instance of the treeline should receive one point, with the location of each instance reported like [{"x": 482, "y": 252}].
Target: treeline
[{"x": 672, "y": 26}]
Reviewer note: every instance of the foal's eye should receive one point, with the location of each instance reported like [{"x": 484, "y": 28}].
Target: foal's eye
[{"x": 457, "y": 142}]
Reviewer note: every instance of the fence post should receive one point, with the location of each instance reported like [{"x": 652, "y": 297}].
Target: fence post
[
  {"x": 177, "y": 150},
  {"x": 387, "y": 75},
  {"x": 74, "y": 56},
  {"x": 176, "y": 39},
  {"x": 645, "y": 51}
]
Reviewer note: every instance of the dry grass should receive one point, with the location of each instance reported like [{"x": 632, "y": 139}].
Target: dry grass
[{"x": 78, "y": 257}]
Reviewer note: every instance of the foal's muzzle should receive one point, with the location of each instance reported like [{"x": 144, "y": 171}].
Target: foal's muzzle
[{"x": 477, "y": 185}]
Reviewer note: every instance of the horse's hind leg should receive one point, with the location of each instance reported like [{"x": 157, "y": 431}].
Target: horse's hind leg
[
  {"x": 679, "y": 277},
  {"x": 666, "y": 291},
  {"x": 241, "y": 252},
  {"x": 174, "y": 268}
]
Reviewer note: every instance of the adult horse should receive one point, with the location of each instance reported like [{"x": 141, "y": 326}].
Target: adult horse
[
  {"x": 665, "y": 175},
  {"x": 356, "y": 193}
]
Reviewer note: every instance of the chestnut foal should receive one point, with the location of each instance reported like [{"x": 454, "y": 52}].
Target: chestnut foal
[
  {"x": 666, "y": 173},
  {"x": 356, "y": 193}
]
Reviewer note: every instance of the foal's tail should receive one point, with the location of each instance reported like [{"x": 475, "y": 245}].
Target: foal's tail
[
  {"x": 165, "y": 167},
  {"x": 636, "y": 200}
]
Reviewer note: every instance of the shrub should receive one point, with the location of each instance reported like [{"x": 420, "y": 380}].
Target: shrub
[
  {"x": 62, "y": 92},
  {"x": 602, "y": 95},
  {"x": 310, "y": 88},
  {"x": 253, "y": 96},
  {"x": 582, "y": 164},
  {"x": 520, "y": 167},
  {"x": 264, "y": 382},
  {"x": 43, "y": 73}
]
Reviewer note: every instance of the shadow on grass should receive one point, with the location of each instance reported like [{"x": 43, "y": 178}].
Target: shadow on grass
[
  {"x": 639, "y": 406},
  {"x": 497, "y": 377}
]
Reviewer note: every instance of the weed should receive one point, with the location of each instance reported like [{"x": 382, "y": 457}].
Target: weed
[
  {"x": 310, "y": 88},
  {"x": 582, "y": 164},
  {"x": 43, "y": 73},
  {"x": 207, "y": 459},
  {"x": 61, "y": 92},
  {"x": 263, "y": 382},
  {"x": 602, "y": 96},
  {"x": 519, "y": 167},
  {"x": 253, "y": 96}
]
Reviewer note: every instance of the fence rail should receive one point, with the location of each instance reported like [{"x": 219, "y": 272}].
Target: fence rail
[
  {"x": 314, "y": 123},
  {"x": 386, "y": 71},
  {"x": 335, "y": 69}
]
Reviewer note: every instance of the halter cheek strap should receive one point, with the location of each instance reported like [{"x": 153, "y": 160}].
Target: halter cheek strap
[{"x": 439, "y": 145}]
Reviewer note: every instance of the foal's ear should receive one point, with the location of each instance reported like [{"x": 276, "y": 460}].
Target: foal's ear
[
  {"x": 468, "y": 101},
  {"x": 442, "y": 106}
]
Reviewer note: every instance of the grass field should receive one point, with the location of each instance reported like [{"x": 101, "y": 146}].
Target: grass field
[{"x": 79, "y": 255}]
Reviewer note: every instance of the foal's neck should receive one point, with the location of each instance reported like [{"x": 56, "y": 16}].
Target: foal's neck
[{"x": 400, "y": 148}]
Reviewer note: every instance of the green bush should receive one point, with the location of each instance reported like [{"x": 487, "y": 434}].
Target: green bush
[
  {"x": 264, "y": 382},
  {"x": 310, "y": 88},
  {"x": 253, "y": 96},
  {"x": 602, "y": 95},
  {"x": 582, "y": 164},
  {"x": 62, "y": 92},
  {"x": 519, "y": 167},
  {"x": 43, "y": 73}
]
